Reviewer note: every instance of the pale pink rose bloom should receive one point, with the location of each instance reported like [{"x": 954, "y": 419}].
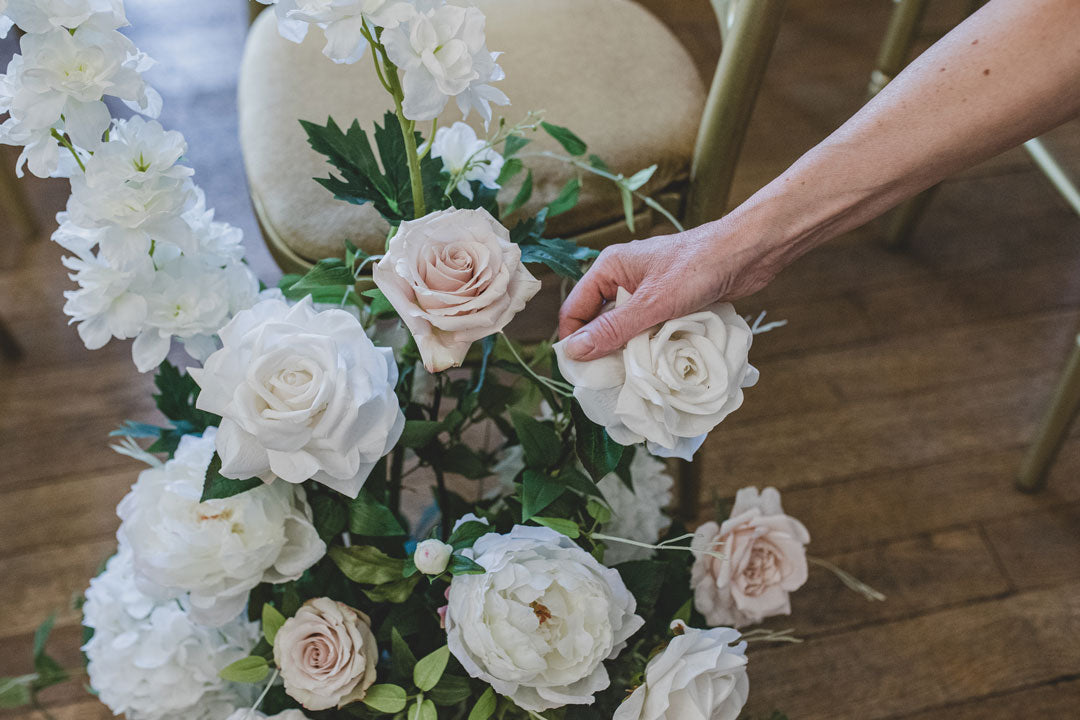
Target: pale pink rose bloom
[
  {"x": 763, "y": 561},
  {"x": 326, "y": 654},
  {"x": 454, "y": 277}
]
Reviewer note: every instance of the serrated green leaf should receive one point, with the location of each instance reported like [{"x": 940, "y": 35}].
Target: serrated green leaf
[
  {"x": 386, "y": 698},
  {"x": 429, "y": 669},
  {"x": 514, "y": 144},
  {"x": 272, "y": 620},
  {"x": 567, "y": 198},
  {"x": 251, "y": 669},
  {"x": 393, "y": 592},
  {"x": 509, "y": 170},
  {"x": 570, "y": 142},
  {"x": 538, "y": 439},
  {"x": 368, "y": 516},
  {"x": 569, "y": 528},
  {"x": 217, "y": 487},
  {"x": 484, "y": 707},
  {"x": 176, "y": 398},
  {"x": 367, "y": 565},
  {"x": 461, "y": 565},
  {"x": 537, "y": 492},
  {"x": 418, "y": 433},
  {"x": 639, "y": 178},
  {"x": 522, "y": 196},
  {"x": 14, "y": 692},
  {"x": 468, "y": 533}
]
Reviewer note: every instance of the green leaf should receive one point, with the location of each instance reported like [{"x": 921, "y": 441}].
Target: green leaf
[
  {"x": 538, "y": 439},
  {"x": 598, "y": 162},
  {"x": 639, "y": 178},
  {"x": 522, "y": 196},
  {"x": 683, "y": 613},
  {"x": 567, "y": 198},
  {"x": 570, "y": 142},
  {"x": 217, "y": 487},
  {"x": 380, "y": 305},
  {"x": 628, "y": 207},
  {"x": 643, "y": 578},
  {"x": 272, "y": 620},
  {"x": 14, "y": 692},
  {"x": 251, "y": 669},
  {"x": 468, "y": 533},
  {"x": 330, "y": 516},
  {"x": 368, "y": 516},
  {"x": 509, "y": 170},
  {"x": 423, "y": 711},
  {"x": 290, "y": 599},
  {"x": 569, "y": 528},
  {"x": 595, "y": 449},
  {"x": 418, "y": 433},
  {"x": 41, "y": 635},
  {"x": 367, "y": 565},
  {"x": 401, "y": 656},
  {"x": 430, "y": 668},
  {"x": 598, "y": 511},
  {"x": 484, "y": 707},
  {"x": 327, "y": 272},
  {"x": 538, "y": 491},
  {"x": 386, "y": 698},
  {"x": 514, "y": 144},
  {"x": 461, "y": 565},
  {"x": 176, "y": 398},
  {"x": 450, "y": 690},
  {"x": 393, "y": 592},
  {"x": 464, "y": 461}
]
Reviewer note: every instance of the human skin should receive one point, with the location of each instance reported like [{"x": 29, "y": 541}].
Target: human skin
[{"x": 1008, "y": 73}]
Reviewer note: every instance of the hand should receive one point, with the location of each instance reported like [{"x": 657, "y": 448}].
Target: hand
[{"x": 668, "y": 276}]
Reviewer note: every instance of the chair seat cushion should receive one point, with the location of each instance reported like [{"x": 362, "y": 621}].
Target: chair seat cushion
[{"x": 606, "y": 69}]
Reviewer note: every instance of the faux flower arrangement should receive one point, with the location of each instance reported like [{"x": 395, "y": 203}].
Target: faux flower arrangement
[{"x": 265, "y": 567}]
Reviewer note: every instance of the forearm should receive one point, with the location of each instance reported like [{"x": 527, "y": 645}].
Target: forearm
[{"x": 1008, "y": 73}]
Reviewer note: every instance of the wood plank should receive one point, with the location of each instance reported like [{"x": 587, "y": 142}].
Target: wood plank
[
  {"x": 925, "y": 662},
  {"x": 1040, "y": 549},
  {"x": 1053, "y": 700},
  {"x": 85, "y": 710},
  {"x": 63, "y": 646}
]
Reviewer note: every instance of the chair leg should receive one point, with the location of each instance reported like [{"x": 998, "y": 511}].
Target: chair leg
[
  {"x": 1054, "y": 172},
  {"x": 688, "y": 489},
  {"x": 9, "y": 346},
  {"x": 1055, "y": 425},
  {"x": 902, "y": 221},
  {"x": 15, "y": 206},
  {"x": 899, "y": 39}
]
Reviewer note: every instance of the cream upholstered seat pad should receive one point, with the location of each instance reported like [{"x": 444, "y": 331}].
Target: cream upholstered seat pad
[{"x": 607, "y": 69}]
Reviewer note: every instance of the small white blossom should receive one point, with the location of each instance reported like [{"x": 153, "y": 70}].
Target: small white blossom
[
  {"x": 5, "y": 21},
  {"x": 432, "y": 556},
  {"x": 150, "y": 661},
  {"x": 215, "y": 551},
  {"x": 40, "y": 16},
  {"x": 110, "y": 301},
  {"x": 443, "y": 54},
  {"x": 462, "y": 152}
]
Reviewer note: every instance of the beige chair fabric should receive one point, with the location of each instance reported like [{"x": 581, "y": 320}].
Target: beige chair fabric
[{"x": 607, "y": 69}]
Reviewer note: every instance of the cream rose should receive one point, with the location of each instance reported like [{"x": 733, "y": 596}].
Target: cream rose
[
  {"x": 303, "y": 395},
  {"x": 763, "y": 561},
  {"x": 700, "y": 675},
  {"x": 540, "y": 622},
  {"x": 454, "y": 277},
  {"x": 326, "y": 654},
  {"x": 670, "y": 385}
]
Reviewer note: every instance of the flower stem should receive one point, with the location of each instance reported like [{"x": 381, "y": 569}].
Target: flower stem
[
  {"x": 555, "y": 386},
  {"x": 63, "y": 140},
  {"x": 849, "y": 580}
]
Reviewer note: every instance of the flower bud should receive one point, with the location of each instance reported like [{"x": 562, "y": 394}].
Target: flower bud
[{"x": 432, "y": 556}]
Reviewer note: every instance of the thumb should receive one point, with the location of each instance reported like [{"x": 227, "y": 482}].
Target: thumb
[{"x": 611, "y": 330}]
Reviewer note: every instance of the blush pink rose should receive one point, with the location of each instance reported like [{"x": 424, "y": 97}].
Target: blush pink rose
[
  {"x": 763, "y": 561},
  {"x": 454, "y": 277},
  {"x": 326, "y": 654}
]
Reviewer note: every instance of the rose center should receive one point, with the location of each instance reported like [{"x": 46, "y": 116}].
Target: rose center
[{"x": 762, "y": 571}]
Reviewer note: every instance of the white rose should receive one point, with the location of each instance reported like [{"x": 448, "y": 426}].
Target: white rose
[
  {"x": 216, "y": 550},
  {"x": 670, "y": 385},
  {"x": 462, "y": 152},
  {"x": 443, "y": 54},
  {"x": 303, "y": 395},
  {"x": 700, "y": 675},
  {"x": 148, "y": 660},
  {"x": 326, "y": 654},
  {"x": 762, "y": 561},
  {"x": 454, "y": 277},
  {"x": 539, "y": 624},
  {"x": 432, "y": 556}
]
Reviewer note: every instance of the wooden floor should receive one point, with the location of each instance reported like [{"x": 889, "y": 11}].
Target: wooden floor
[{"x": 892, "y": 411}]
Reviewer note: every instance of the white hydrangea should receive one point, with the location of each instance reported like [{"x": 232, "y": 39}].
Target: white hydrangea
[
  {"x": 249, "y": 714},
  {"x": 636, "y": 514},
  {"x": 463, "y": 152},
  {"x": 217, "y": 550},
  {"x": 40, "y": 16},
  {"x": 5, "y": 21},
  {"x": 58, "y": 82},
  {"x": 150, "y": 661},
  {"x": 443, "y": 54}
]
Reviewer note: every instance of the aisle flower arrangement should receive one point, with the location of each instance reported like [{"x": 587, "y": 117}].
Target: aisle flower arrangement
[{"x": 265, "y": 564}]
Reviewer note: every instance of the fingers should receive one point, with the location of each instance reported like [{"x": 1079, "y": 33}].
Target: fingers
[
  {"x": 612, "y": 330},
  {"x": 588, "y": 296}
]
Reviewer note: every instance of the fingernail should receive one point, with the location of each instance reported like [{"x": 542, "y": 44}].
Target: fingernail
[{"x": 579, "y": 345}]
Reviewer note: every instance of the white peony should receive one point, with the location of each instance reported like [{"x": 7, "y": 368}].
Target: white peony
[
  {"x": 539, "y": 624},
  {"x": 40, "y": 16},
  {"x": 150, "y": 661},
  {"x": 303, "y": 395},
  {"x": 671, "y": 385},
  {"x": 700, "y": 675},
  {"x": 217, "y": 550},
  {"x": 443, "y": 54},
  {"x": 432, "y": 556},
  {"x": 462, "y": 152},
  {"x": 636, "y": 514},
  {"x": 60, "y": 80}
]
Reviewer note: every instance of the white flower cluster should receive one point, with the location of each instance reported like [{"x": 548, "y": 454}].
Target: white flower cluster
[
  {"x": 440, "y": 48},
  {"x": 150, "y": 661},
  {"x": 467, "y": 157},
  {"x": 149, "y": 259},
  {"x": 218, "y": 550}
]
